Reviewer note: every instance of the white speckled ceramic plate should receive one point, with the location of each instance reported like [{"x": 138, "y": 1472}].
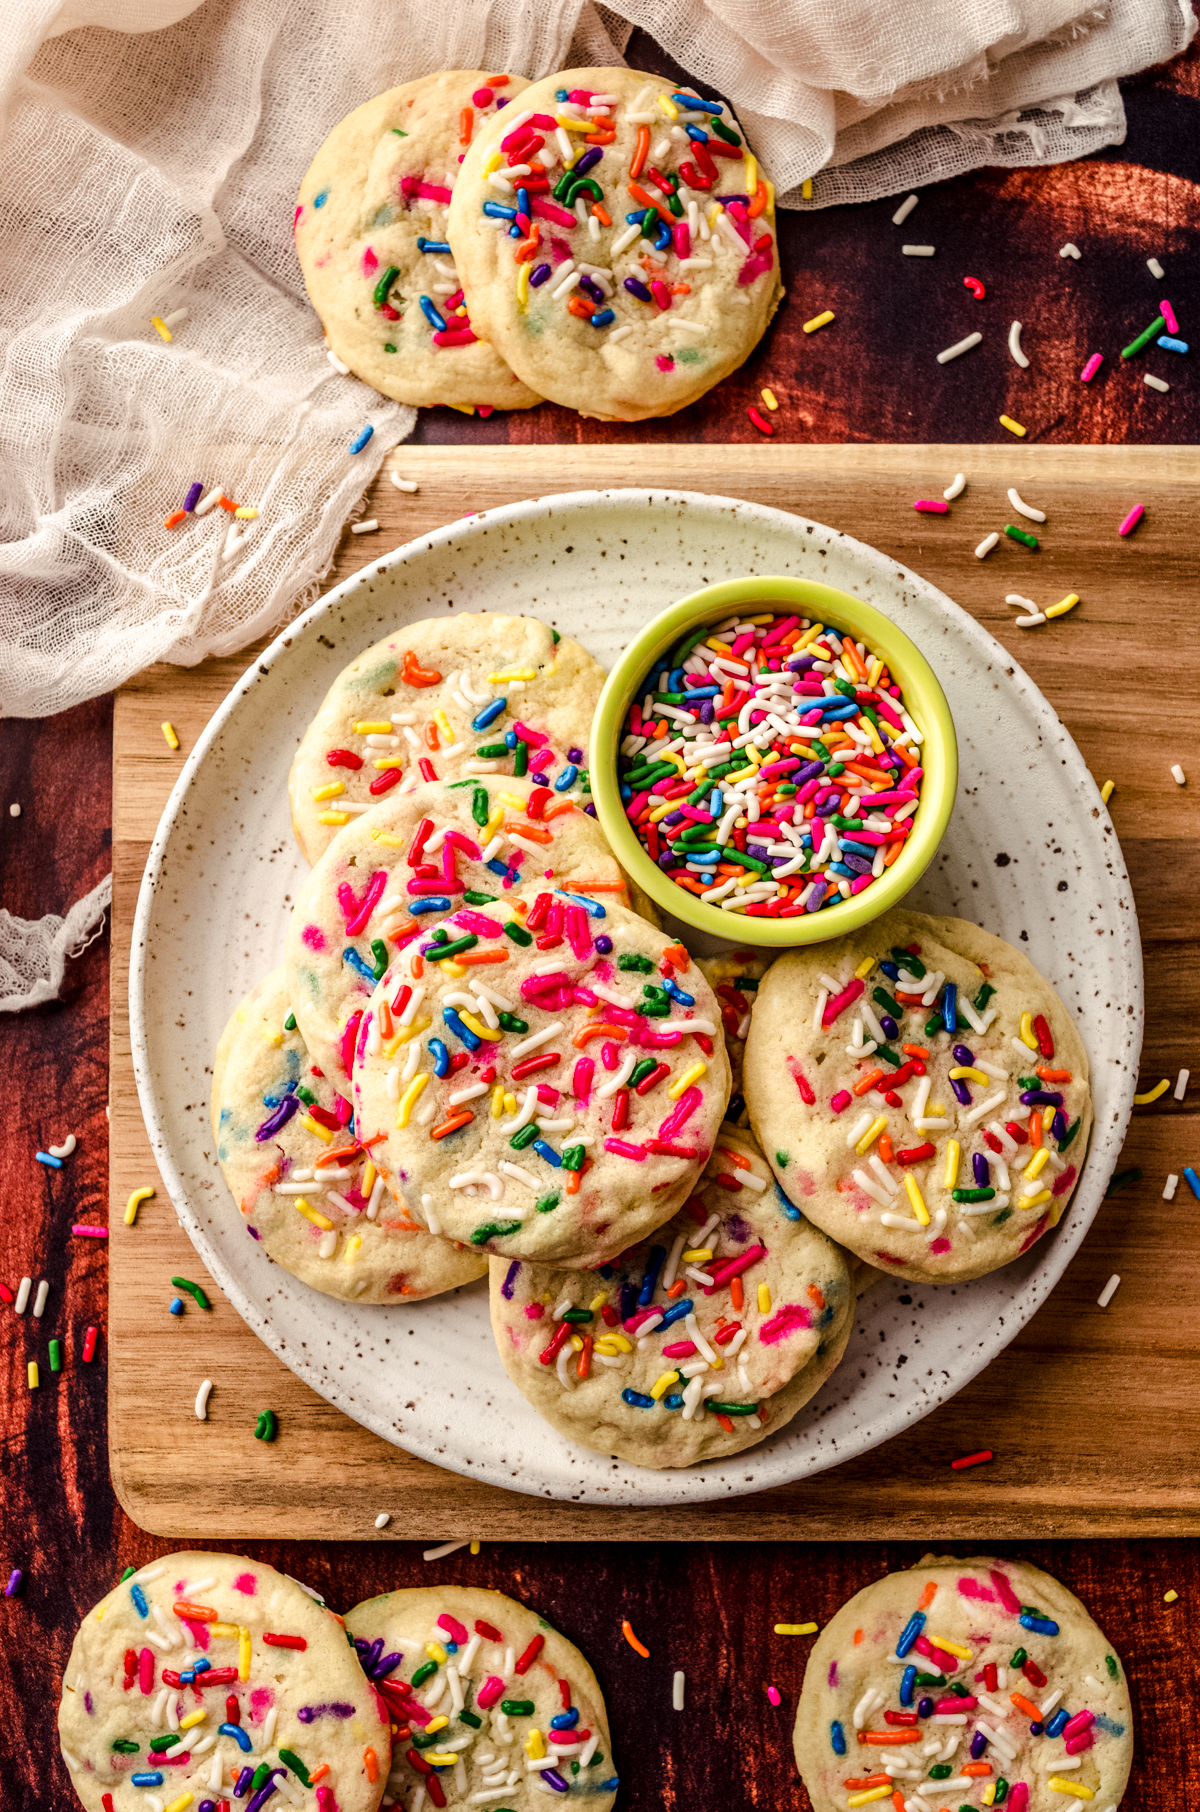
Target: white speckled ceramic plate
[{"x": 1030, "y": 853}]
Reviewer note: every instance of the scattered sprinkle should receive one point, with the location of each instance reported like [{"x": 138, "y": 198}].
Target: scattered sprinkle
[
  {"x": 985, "y": 546},
  {"x": 89, "y": 1345},
  {"x": 774, "y": 1695},
  {"x": 175, "y": 1306},
  {"x": 170, "y": 734},
  {"x": 1021, "y": 535},
  {"x": 382, "y": 1520},
  {"x": 16, "y": 1576},
  {"x": 957, "y": 488},
  {"x": 1155, "y": 383},
  {"x": 972, "y": 1459},
  {"x": 176, "y": 317},
  {"x": 960, "y": 346},
  {"x": 1091, "y": 368},
  {"x": 134, "y": 1203},
  {"x": 1106, "y": 791},
  {"x": 1152, "y": 1094},
  {"x": 447, "y": 1547},
  {"x": 796, "y": 1629},
  {"x": 1069, "y": 250},
  {"x": 14, "y": 811},
  {"x": 1172, "y": 1184},
  {"x": 1064, "y": 605},
  {"x": 337, "y": 364},
  {"x": 23, "y": 1289},
  {"x": 1025, "y": 509},
  {"x": 1155, "y": 268},
  {"x": 1144, "y": 338},
  {"x": 1178, "y": 775},
  {"x": 161, "y": 329},
  {"x": 1014, "y": 345},
  {"x": 627, "y": 1632},
  {"x": 932, "y": 506},
  {"x": 817, "y": 321},
  {"x": 364, "y": 528},
  {"x": 39, "y": 1301},
  {"x": 677, "y": 1690},
  {"x": 1006, "y": 421},
  {"x": 976, "y": 288},
  {"x": 361, "y": 438},
  {"x": 65, "y": 1149},
  {"x": 31, "y": 1373},
  {"x": 904, "y": 210},
  {"x": 1131, "y": 521},
  {"x": 85, "y": 1232},
  {"x": 403, "y": 484},
  {"x": 1109, "y": 1291},
  {"x": 1181, "y": 1083},
  {"x": 266, "y": 1427},
  {"x": 202, "y": 1400},
  {"x": 193, "y": 1290},
  {"x": 769, "y": 397},
  {"x": 1168, "y": 1597},
  {"x": 209, "y": 502},
  {"x": 1192, "y": 1180},
  {"x": 760, "y": 421},
  {"x": 918, "y": 251}
]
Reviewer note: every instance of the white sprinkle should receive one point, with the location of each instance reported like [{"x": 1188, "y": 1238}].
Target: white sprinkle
[
  {"x": 39, "y": 1301},
  {"x": 202, "y": 1400},
  {"x": 1155, "y": 383},
  {"x": 68, "y": 1145},
  {"x": 903, "y": 211},
  {"x": 209, "y": 502},
  {"x": 985, "y": 546},
  {"x": 918, "y": 251},
  {"x": 1025, "y": 508},
  {"x": 1178, "y": 775},
  {"x": 14, "y": 811},
  {"x": 567, "y": 283},
  {"x": 677, "y": 1686},
  {"x": 1168, "y": 1194},
  {"x": 1030, "y": 622},
  {"x": 407, "y": 484},
  {"x": 1014, "y": 345},
  {"x": 957, "y": 488},
  {"x": 1069, "y": 250},
  {"x": 620, "y": 333},
  {"x": 332, "y": 356},
  {"x": 383, "y": 1519},
  {"x": 1152, "y": 265},
  {"x": 1180, "y": 1091},
  {"x": 1014, "y": 597},
  {"x": 1109, "y": 1291},
  {"x": 233, "y": 541},
  {"x": 447, "y": 1547},
  {"x": 181, "y": 314},
  {"x": 956, "y": 351},
  {"x": 364, "y": 528}
]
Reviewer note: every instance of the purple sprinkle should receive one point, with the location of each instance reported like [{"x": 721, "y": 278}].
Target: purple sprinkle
[
  {"x": 590, "y": 810},
  {"x": 817, "y": 896},
  {"x": 707, "y": 711},
  {"x": 591, "y": 289},
  {"x": 88, "y": 1704},
  {"x": 961, "y": 1092},
  {"x": 1059, "y": 1124},
  {"x": 241, "y": 1785},
  {"x": 983, "y": 1175},
  {"x": 335, "y": 1709},
  {"x": 643, "y": 295},
  {"x": 193, "y": 496},
  {"x": 538, "y": 276},
  {"x": 978, "y": 1744},
  {"x": 737, "y": 1229},
  {"x": 207, "y": 1805},
  {"x": 540, "y": 779},
  {"x": 554, "y": 1779},
  {"x": 962, "y": 1055},
  {"x": 254, "y": 1233},
  {"x": 283, "y": 1113},
  {"x": 833, "y": 1673},
  {"x": 587, "y": 162},
  {"x": 16, "y": 1576},
  {"x": 925, "y": 1708},
  {"x": 574, "y": 754},
  {"x": 673, "y": 818},
  {"x": 603, "y": 945},
  {"x": 859, "y": 864},
  {"x": 891, "y": 1029},
  {"x": 506, "y": 1288},
  {"x": 264, "y": 1793}
]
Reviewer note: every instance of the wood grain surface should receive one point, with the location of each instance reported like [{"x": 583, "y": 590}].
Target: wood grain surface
[{"x": 172, "y": 1473}]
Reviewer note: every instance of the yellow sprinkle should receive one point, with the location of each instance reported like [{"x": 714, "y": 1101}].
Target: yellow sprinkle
[
  {"x": 497, "y": 1101},
  {"x": 333, "y": 817},
  {"x": 1037, "y": 1163},
  {"x": 810, "y": 635},
  {"x": 134, "y": 1203},
  {"x": 444, "y": 1761},
  {"x": 621, "y": 1341},
  {"x": 1061, "y": 608},
  {"x": 714, "y": 641},
  {"x": 245, "y": 513},
  {"x": 184, "y": 1800},
  {"x": 161, "y": 329},
  {"x": 1026, "y": 1031},
  {"x": 450, "y": 967},
  {"x": 952, "y": 1648},
  {"x": 743, "y": 773},
  {"x": 168, "y": 731},
  {"x": 469, "y": 1019},
  {"x": 989, "y": 1794},
  {"x": 193, "y": 1718},
  {"x": 311, "y": 1214},
  {"x": 443, "y": 724},
  {"x": 1034, "y": 1201},
  {"x": 819, "y": 321},
  {"x": 764, "y": 1299},
  {"x": 1152, "y": 1094},
  {"x": 100, "y": 1613},
  {"x": 535, "y": 1745},
  {"x": 919, "y": 1208},
  {"x": 1006, "y": 421},
  {"x": 872, "y": 1133},
  {"x": 493, "y": 824},
  {"x": 493, "y": 163},
  {"x": 607, "y": 1345},
  {"x": 510, "y": 1103},
  {"x": 668, "y": 106},
  {"x": 806, "y": 189},
  {"x": 571, "y": 125},
  {"x": 864, "y": 968},
  {"x": 436, "y": 1724},
  {"x": 436, "y": 1652},
  {"x": 769, "y": 398},
  {"x": 698, "y": 1255},
  {"x": 577, "y": 1343},
  {"x": 598, "y": 1302},
  {"x": 1170, "y": 1597},
  {"x": 243, "y": 1653},
  {"x": 795, "y": 1629},
  {"x": 934, "y": 1109},
  {"x": 410, "y": 1097},
  {"x": 682, "y": 1083},
  {"x": 876, "y": 671},
  {"x": 864, "y": 1799},
  {"x": 495, "y": 679},
  {"x": 382, "y": 728},
  {"x": 1106, "y": 791},
  {"x": 872, "y": 732},
  {"x": 474, "y": 1548},
  {"x": 967, "y": 1074},
  {"x": 673, "y": 755},
  {"x": 750, "y": 174},
  {"x": 405, "y": 1033},
  {"x": 523, "y": 271},
  {"x": 222, "y": 1629},
  {"x": 387, "y": 761},
  {"x": 1076, "y": 1789},
  {"x": 953, "y": 1154},
  {"x": 770, "y": 207},
  {"x": 352, "y": 1245},
  {"x": 33, "y": 1374},
  {"x": 312, "y": 1126},
  {"x": 328, "y": 792},
  {"x": 662, "y": 1385},
  {"x": 368, "y": 1179}
]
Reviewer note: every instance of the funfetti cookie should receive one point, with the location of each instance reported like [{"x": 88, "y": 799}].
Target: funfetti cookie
[
  {"x": 503, "y": 1711},
  {"x": 204, "y": 1677},
  {"x": 734, "y": 977},
  {"x": 413, "y": 859},
  {"x": 309, "y": 1192},
  {"x": 371, "y": 239},
  {"x": 616, "y": 242},
  {"x": 964, "y": 1683},
  {"x": 921, "y": 1093},
  {"x": 555, "y": 1093},
  {"x": 691, "y": 1346},
  {"x": 441, "y": 699}
]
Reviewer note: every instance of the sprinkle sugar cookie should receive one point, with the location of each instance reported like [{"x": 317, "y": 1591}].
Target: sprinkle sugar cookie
[
  {"x": 556, "y": 1103},
  {"x": 502, "y": 1711},
  {"x": 616, "y": 241},
  {"x": 207, "y": 1678},
  {"x": 921, "y": 1093},
  {"x": 416, "y": 857},
  {"x": 309, "y": 1191},
  {"x": 964, "y": 1683},
  {"x": 440, "y": 699},
  {"x": 691, "y": 1347},
  {"x": 370, "y": 233}
]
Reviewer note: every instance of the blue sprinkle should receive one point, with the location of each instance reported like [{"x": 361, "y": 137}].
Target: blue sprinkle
[
  {"x": 697, "y": 135},
  {"x": 240, "y": 1736},
  {"x": 677, "y": 994},
  {"x": 603, "y": 317},
  {"x": 510, "y": 737},
  {"x": 907, "y": 1681},
  {"x": 1192, "y": 1180},
  {"x": 1109, "y": 1725},
  {"x": 662, "y": 239},
  {"x": 567, "y": 778},
  {"x": 361, "y": 438},
  {"x": 432, "y": 245},
  {"x": 654, "y": 1264},
  {"x": 139, "y": 1601},
  {"x": 439, "y": 902},
  {"x": 496, "y": 210},
  {"x": 201, "y": 1666},
  {"x": 1170, "y": 344},
  {"x": 441, "y": 1057},
  {"x": 43, "y": 1157},
  {"x": 562, "y": 94},
  {"x": 187, "y": 1676},
  {"x": 1041, "y": 1626},
  {"x": 463, "y": 1033},
  {"x": 351, "y": 956},
  {"x": 703, "y": 692},
  {"x": 436, "y": 321},
  {"x": 909, "y": 1633},
  {"x": 950, "y": 1012},
  {"x": 514, "y": 231},
  {"x": 565, "y": 1720},
  {"x": 891, "y": 970},
  {"x": 523, "y": 202},
  {"x": 497, "y": 867},
  {"x": 176, "y": 1305},
  {"x": 637, "y": 217},
  {"x": 146, "y": 1780},
  {"x": 675, "y": 1313},
  {"x": 637, "y": 1399},
  {"x": 489, "y": 714},
  {"x": 613, "y": 1782},
  {"x": 837, "y": 1737},
  {"x": 546, "y": 1151},
  {"x": 692, "y": 104},
  {"x": 320, "y": 200},
  {"x": 593, "y": 908},
  {"x": 1059, "y": 1721}
]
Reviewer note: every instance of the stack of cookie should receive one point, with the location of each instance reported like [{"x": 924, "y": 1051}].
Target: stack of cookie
[{"x": 596, "y": 238}]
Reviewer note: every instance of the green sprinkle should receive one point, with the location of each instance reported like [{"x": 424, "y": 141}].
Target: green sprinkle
[
  {"x": 1001, "y": 1791},
  {"x": 387, "y": 347},
  {"x": 819, "y": 748},
  {"x": 889, "y": 1056},
  {"x": 127, "y": 1574},
  {"x": 420, "y": 1740},
  {"x": 782, "y": 1159},
  {"x": 1000, "y": 1218},
  {"x": 524, "y": 1137},
  {"x": 289, "y": 1024},
  {"x": 521, "y": 759},
  {"x": 935, "y": 1025},
  {"x": 973, "y": 1195},
  {"x": 265, "y": 1428},
  {"x": 632, "y": 959},
  {"x": 641, "y": 1070},
  {"x": 885, "y": 1000},
  {"x": 124, "y": 1747},
  {"x": 573, "y": 1156},
  {"x": 959, "y": 1690},
  {"x": 577, "y": 1317},
  {"x": 1068, "y": 1135},
  {"x": 557, "y": 637},
  {"x": 449, "y": 951},
  {"x": 1029, "y": 1082},
  {"x": 548, "y": 1201},
  {"x": 984, "y": 995},
  {"x": 56, "y": 1355},
  {"x": 510, "y": 1023},
  {"x": 480, "y": 805},
  {"x": 1110, "y": 1661},
  {"x": 659, "y": 1008},
  {"x": 306, "y": 1095},
  {"x": 836, "y": 768},
  {"x": 379, "y": 951},
  {"x": 1122, "y": 1180},
  {"x": 380, "y": 293},
  {"x": 193, "y": 1289},
  {"x": 473, "y": 897},
  {"x": 1018, "y": 534},
  {"x": 732, "y": 1409},
  {"x": 262, "y": 1775},
  {"x": 1157, "y": 326},
  {"x": 492, "y": 751},
  {"x": 464, "y": 1717},
  {"x": 1019, "y": 1658},
  {"x": 682, "y": 649},
  {"x": 517, "y": 1708},
  {"x": 941, "y": 1771},
  {"x": 422, "y": 1673},
  {"x": 399, "y": 134},
  {"x": 291, "y": 1760},
  {"x": 518, "y": 934},
  {"x": 160, "y": 1743},
  {"x": 931, "y": 1679},
  {"x": 723, "y": 131},
  {"x": 907, "y": 960},
  {"x": 844, "y": 687}
]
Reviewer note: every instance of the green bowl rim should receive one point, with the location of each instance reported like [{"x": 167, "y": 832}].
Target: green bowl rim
[{"x": 923, "y": 698}]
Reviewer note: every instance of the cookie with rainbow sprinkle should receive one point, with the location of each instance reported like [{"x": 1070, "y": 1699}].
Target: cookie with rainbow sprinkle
[
  {"x": 964, "y": 1683},
  {"x": 921, "y": 1093},
  {"x": 370, "y": 230},
  {"x": 616, "y": 242},
  {"x": 208, "y": 1679},
  {"x": 308, "y": 1189},
  {"x": 692, "y": 1346},
  {"x": 500, "y": 1709},
  {"x": 441, "y": 699},
  {"x": 468, "y": 842},
  {"x": 554, "y": 1094}
]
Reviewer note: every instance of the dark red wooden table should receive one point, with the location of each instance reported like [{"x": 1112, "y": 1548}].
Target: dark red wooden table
[{"x": 708, "y": 1610}]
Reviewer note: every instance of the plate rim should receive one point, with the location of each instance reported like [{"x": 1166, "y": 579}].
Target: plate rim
[{"x": 892, "y": 1421}]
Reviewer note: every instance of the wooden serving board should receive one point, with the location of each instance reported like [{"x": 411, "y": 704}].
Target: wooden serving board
[{"x": 1080, "y": 1410}]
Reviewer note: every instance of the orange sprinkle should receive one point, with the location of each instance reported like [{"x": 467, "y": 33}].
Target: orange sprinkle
[
  {"x": 641, "y": 151},
  {"x": 431, "y": 736},
  {"x": 898, "y": 1800},
  {"x": 735, "y": 1157},
  {"x": 575, "y": 1177},
  {"x": 601, "y": 214},
  {"x": 526, "y": 249},
  {"x": 471, "y": 959},
  {"x": 599, "y": 138},
  {"x": 858, "y": 1636},
  {"x": 494, "y": 81},
  {"x": 758, "y": 205},
  {"x": 1054, "y": 1075},
  {"x": 726, "y": 1424},
  {"x": 584, "y": 1364},
  {"x": 983, "y": 1768},
  {"x": 915, "y": 1050},
  {"x": 927, "y": 1596},
  {"x": 618, "y": 1034},
  {"x": 885, "y": 1149},
  {"x": 870, "y": 1780},
  {"x": 815, "y": 1295},
  {"x": 412, "y": 675},
  {"x": 226, "y": 503},
  {"x": 466, "y": 123},
  {"x": 524, "y": 828},
  {"x": 370, "y": 1759},
  {"x": 556, "y": 811},
  {"x": 1035, "y": 1130},
  {"x": 319, "y": 1774},
  {"x": 385, "y": 1020},
  {"x": 867, "y": 1081},
  {"x": 645, "y": 200},
  {"x": 417, "y": 965},
  {"x": 677, "y": 1288},
  {"x": 335, "y": 1157},
  {"x": 885, "y": 1739},
  {"x": 594, "y": 886},
  {"x": 1026, "y": 1706},
  {"x": 627, "y": 1632},
  {"x": 675, "y": 953},
  {"x": 583, "y": 306},
  {"x": 736, "y": 1293},
  {"x": 195, "y": 1613},
  {"x": 175, "y": 518},
  {"x": 893, "y": 853},
  {"x": 452, "y": 1124}
]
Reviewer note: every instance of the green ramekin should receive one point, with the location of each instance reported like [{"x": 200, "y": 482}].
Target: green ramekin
[{"x": 923, "y": 699}]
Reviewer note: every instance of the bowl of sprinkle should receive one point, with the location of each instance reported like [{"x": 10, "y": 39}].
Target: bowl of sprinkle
[{"x": 773, "y": 761}]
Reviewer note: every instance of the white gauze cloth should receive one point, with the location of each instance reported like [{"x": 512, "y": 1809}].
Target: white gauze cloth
[{"x": 152, "y": 151}]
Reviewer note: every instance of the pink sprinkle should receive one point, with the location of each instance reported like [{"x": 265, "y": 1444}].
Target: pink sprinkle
[
  {"x": 680, "y": 1349},
  {"x": 971, "y": 1588},
  {"x": 246, "y": 1584},
  {"x": 457, "y": 1630},
  {"x": 313, "y": 937},
  {"x": 1091, "y": 368},
  {"x": 935, "y": 1245},
  {"x": 1168, "y": 315},
  {"x": 841, "y": 1001},
  {"x": 792, "y": 1317},
  {"x": 932, "y": 506},
  {"x": 1131, "y": 521},
  {"x": 665, "y": 362},
  {"x": 622, "y": 1149},
  {"x": 534, "y": 1311},
  {"x": 1004, "y": 1592},
  {"x": 1018, "y": 1796},
  {"x": 773, "y": 1695},
  {"x": 840, "y": 1102},
  {"x": 370, "y": 262},
  {"x": 296, "y": 216},
  {"x": 489, "y": 1692},
  {"x": 90, "y": 1232}
]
